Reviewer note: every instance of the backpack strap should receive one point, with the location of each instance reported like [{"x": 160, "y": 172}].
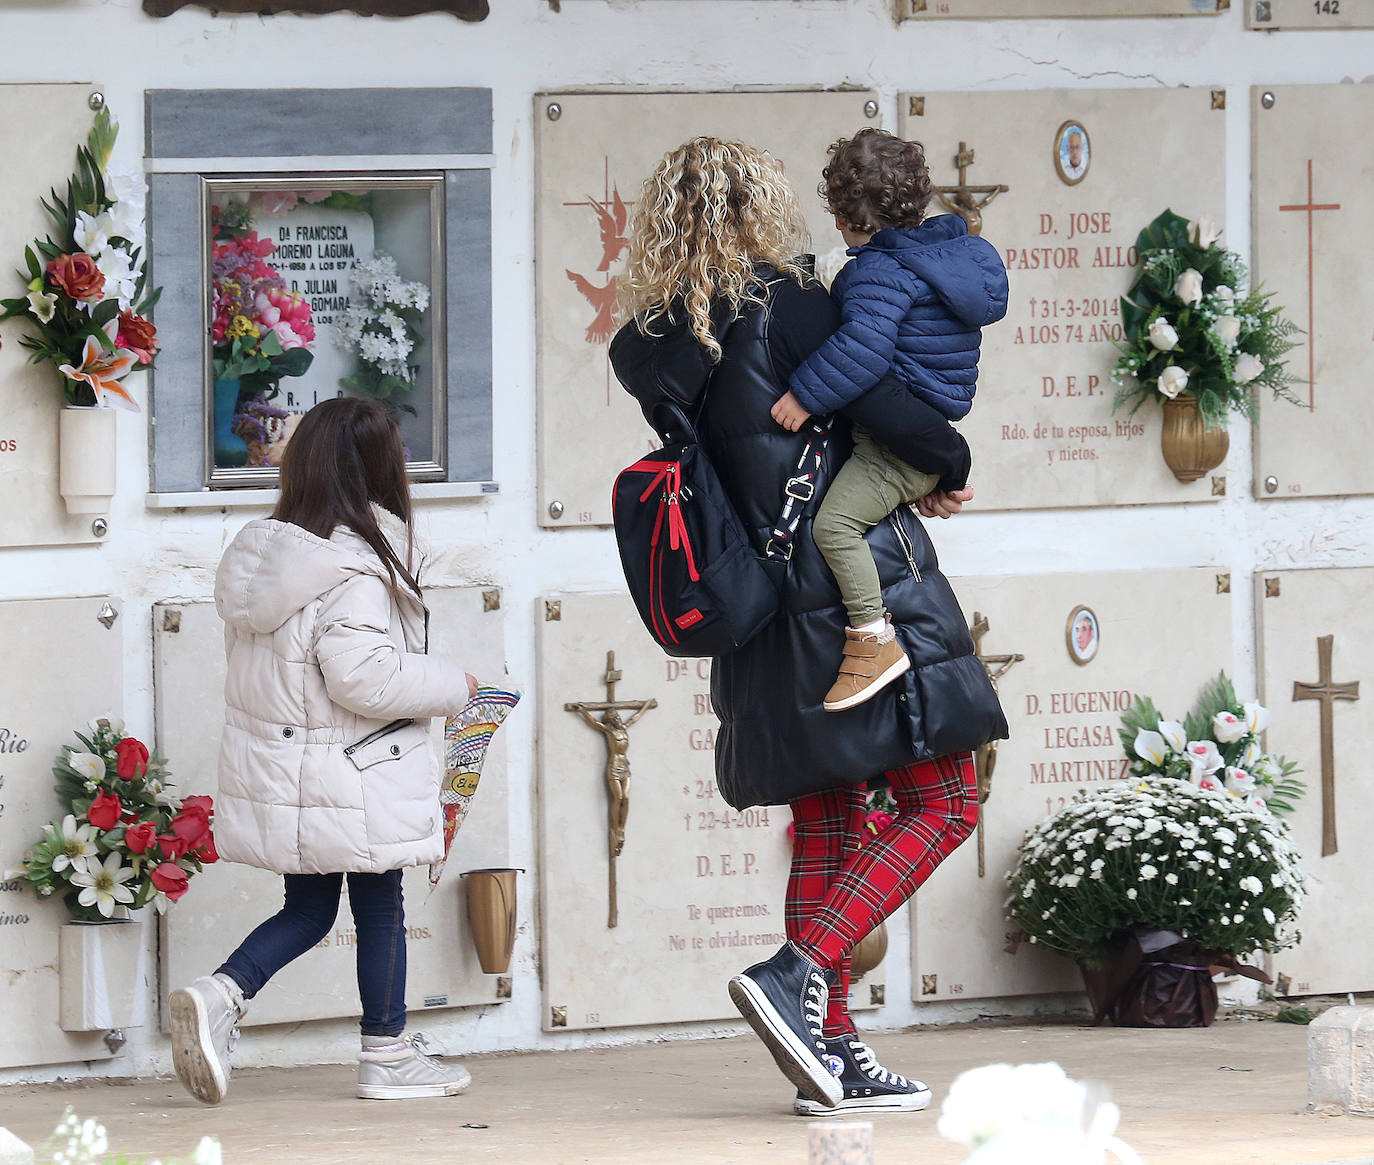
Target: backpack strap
[{"x": 799, "y": 490}]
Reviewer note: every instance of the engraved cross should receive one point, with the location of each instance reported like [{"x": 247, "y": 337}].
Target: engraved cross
[
  {"x": 1326, "y": 693},
  {"x": 1309, "y": 207}
]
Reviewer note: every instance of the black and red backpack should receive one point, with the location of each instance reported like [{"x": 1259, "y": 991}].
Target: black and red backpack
[{"x": 701, "y": 586}]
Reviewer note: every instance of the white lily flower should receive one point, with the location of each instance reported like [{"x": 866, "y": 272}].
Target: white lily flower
[
  {"x": 78, "y": 847},
  {"x": 1256, "y": 716},
  {"x": 92, "y": 232},
  {"x": 102, "y": 884},
  {"x": 87, "y": 765},
  {"x": 43, "y": 305},
  {"x": 1151, "y": 747},
  {"x": 120, "y": 277},
  {"x": 1174, "y": 735}
]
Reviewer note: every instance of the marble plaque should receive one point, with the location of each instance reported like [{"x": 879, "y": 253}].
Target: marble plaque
[
  {"x": 699, "y": 886},
  {"x": 590, "y": 164},
  {"x": 34, "y": 513},
  {"x": 227, "y": 901},
  {"x": 1313, "y": 205},
  {"x": 1041, "y": 9},
  {"x": 43, "y": 706},
  {"x": 1298, "y": 608},
  {"x": 1268, "y": 15},
  {"x": 1042, "y": 427},
  {"x": 1156, "y": 633}
]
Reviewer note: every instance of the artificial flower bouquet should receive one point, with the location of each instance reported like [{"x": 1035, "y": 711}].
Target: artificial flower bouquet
[
  {"x": 126, "y": 839},
  {"x": 1216, "y": 747},
  {"x": 1193, "y": 330},
  {"x": 260, "y": 331},
  {"x": 383, "y": 327},
  {"x": 87, "y": 300},
  {"x": 1149, "y": 882}
]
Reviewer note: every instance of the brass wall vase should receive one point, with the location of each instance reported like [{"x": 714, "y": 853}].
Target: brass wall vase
[
  {"x": 1190, "y": 448},
  {"x": 491, "y": 916},
  {"x": 869, "y": 952}
]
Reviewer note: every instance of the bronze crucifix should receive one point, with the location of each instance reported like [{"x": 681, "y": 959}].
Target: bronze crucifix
[
  {"x": 1327, "y": 692},
  {"x": 617, "y": 733},
  {"x": 985, "y": 758},
  {"x": 965, "y": 200}
]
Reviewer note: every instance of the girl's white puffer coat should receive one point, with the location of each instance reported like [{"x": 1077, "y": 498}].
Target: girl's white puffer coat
[{"x": 326, "y": 764}]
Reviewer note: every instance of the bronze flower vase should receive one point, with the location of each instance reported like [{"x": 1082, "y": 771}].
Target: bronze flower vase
[
  {"x": 870, "y": 951},
  {"x": 1190, "y": 448},
  {"x": 491, "y": 917}
]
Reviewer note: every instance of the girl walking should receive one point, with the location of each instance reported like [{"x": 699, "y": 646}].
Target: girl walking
[{"x": 326, "y": 770}]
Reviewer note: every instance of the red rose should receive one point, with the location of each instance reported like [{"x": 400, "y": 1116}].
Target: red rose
[
  {"x": 138, "y": 336},
  {"x": 207, "y": 853},
  {"x": 172, "y": 847},
  {"x": 105, "y": 811},
  {"x": 199, "y": 801},
  {"x": 191, "y": 825},
  {"x": 131, "y": 758},
  {"x": 171, "y": 879},
  {"x": 77, "y": 275},
  {"x": 878, "y": 820},
  {"x": 139, "y": 837}
]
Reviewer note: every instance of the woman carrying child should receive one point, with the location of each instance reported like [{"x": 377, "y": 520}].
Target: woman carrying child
[
  {"x": 723, "y": 313},
  {"x": 326, "y": 769}
]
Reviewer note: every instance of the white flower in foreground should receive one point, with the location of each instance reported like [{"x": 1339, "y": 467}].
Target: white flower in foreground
[
  {"x": 1174, "y": 735},
  {"x": 86, "y": 765},
  {"x": 1172, "y": 381},
  {"x": 1162, "y": 335},
  {"x": 1000, "y": 1101},
  {"x": 1256, "y": 716},
  {"x": 92, "y": 232},
  {"x": 1188, "y": 287},
  {"x": 1228, "y": 727},
  {"x": 1203, "y": 232},
  {"x": 78, "y": 846},
  {"x": 42, "y": 304},
  {"x": 1150, "y": 746},
  {"x": 102, "y": 884},
  {"x": 1247, "y": 368},
  {"x": 208, "y": 1152}
]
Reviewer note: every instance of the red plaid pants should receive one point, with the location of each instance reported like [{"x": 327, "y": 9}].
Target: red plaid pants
[{"x": 838, "y": 892}]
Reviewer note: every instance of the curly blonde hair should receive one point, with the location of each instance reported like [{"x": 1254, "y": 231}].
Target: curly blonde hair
[{"x": 710, "y": 210}]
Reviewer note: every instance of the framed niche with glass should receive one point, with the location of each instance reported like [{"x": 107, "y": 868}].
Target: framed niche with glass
[
  {"x": 336, "y": 244},
  {"x": 317, "y": 286}
]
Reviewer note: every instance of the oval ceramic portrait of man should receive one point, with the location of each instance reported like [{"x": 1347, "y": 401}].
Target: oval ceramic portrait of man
[
  {"x": 1083, "y": 634},
  {"x": 1072, "y": 152}
]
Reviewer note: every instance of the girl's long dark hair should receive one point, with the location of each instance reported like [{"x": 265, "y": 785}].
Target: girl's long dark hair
[{"x": 344, "y": 455}]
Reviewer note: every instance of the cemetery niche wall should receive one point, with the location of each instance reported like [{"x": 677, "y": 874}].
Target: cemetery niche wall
[
  {"x": 1315, "y": 628},
  {"x": 1061, "y": 182},
  {"x": 593, "y": 151},
  {"x": 1087, "y": 645},
  {"x": 467, "y": 623},
  {"x": 332, "y": 248},
  {"x": 1312, "y": 204},
  {"x": 39, "y": 717},
  {"x": 698, "y": 887}
]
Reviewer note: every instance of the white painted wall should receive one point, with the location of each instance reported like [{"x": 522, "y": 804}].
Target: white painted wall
[{"x": 524, "y": 48}]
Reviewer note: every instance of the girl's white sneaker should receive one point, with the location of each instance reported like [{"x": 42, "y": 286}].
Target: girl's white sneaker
[{"x": 398, "y": 1068}]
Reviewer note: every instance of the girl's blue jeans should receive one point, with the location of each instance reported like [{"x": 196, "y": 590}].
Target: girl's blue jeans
[{"x": 306, "y": 918}]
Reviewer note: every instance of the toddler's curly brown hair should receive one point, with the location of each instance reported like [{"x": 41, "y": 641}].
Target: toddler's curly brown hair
[{"x": 875, "y": 180}]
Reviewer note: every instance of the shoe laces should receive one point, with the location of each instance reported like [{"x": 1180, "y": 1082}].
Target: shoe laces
[
  {"x": 420, "y": 1046},
  {"x": 813, "y": 1003},
  {"x": 233, "y": 1041},
  {"x": 869, "y": 1066}
]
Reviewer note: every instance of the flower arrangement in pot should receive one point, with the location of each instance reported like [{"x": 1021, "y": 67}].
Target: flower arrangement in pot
[
  {"x": 86, "y": 309},
  {"x": 1196, "y": 339},
  {"x": 126, "y": 840},
  {"x": 1184, "y": 866},
  {"x": 261, "y": 332},
  {"x": 383, "y": 327}
]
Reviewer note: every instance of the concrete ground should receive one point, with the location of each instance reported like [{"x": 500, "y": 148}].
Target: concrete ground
[{"x": 1232, "y": 1094}]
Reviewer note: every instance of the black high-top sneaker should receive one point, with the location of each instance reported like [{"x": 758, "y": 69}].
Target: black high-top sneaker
[
  {"x": 867, "y": 1085},
  {"x": 784, "y": 1001}
]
